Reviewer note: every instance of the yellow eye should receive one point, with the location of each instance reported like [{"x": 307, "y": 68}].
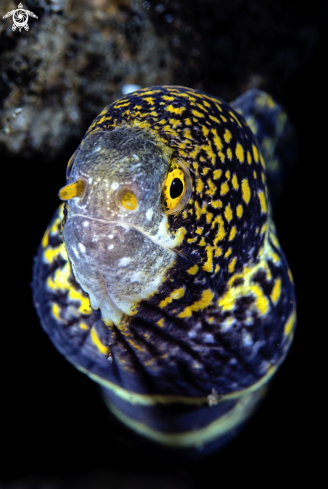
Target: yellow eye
[{"x": 177, "y": 188}]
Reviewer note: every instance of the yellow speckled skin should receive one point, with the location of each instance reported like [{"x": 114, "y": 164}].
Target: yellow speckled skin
[{"x": 185, "y": 361}]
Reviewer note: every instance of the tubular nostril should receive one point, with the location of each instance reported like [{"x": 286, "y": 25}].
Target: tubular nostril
[
  {"x": 129, "y": 201},
  {"x": 75, "y": 189},
  {"x": 125, "y": 199}
]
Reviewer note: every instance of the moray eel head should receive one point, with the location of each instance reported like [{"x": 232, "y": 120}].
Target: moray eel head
[{"x": 116, "y": 230}]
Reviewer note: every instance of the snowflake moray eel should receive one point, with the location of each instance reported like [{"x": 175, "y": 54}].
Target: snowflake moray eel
[{"x": 162, "y": 278}]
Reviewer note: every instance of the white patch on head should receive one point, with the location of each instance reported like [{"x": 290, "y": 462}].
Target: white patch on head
[
  {"x": 125, "y": 226},
  {"x": 162, "y": 237},
  {"x": 85, "y": 224},
  {"x": 161, "y": 233},
  {"x": 124, "y": 261},
  {"x": 114, "y": 185},
  {"x": 110, "y": 247},
  {"x": 136, "y": 277},
  {"x": 149, "y": 214},
  {"x": 76, "y": 253},
  {"x": 90, "y": 180},
  {"x": 82, "y": 247}
]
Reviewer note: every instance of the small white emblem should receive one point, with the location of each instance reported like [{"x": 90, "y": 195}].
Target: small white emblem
[{"x": 20, "y": 18}]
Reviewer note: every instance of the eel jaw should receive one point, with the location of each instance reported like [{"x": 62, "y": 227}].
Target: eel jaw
[{"x": 116, "y": 263}]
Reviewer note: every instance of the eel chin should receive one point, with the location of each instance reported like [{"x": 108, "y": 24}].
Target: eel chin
[{"x": 115, "y": 263}]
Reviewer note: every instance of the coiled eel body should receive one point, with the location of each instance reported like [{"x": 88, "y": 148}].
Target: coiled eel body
[{"x": 164, "y": 280}]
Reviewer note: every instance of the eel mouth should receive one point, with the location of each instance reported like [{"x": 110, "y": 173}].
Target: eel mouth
[{"x": 124, "y": 224}]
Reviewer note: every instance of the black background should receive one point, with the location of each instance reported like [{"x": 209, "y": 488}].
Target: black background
[{"x": 53, "y": 422}]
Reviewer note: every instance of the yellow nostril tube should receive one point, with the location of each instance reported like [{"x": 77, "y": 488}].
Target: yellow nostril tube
[
  {"x": 75, "y": 189},
  {"x": 129, "y": 201}
]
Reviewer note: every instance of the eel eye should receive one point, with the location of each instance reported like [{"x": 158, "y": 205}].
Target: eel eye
[{"x": 177, "y": 188}]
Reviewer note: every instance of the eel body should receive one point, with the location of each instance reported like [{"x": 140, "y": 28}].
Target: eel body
[{"x": 162, "y": 278}]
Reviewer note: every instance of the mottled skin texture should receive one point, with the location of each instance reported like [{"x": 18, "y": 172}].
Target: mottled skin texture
[{"x": 198, "y": 306}]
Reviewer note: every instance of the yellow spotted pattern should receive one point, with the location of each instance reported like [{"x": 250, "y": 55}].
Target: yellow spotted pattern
[{"x": 229, "y": 277}]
